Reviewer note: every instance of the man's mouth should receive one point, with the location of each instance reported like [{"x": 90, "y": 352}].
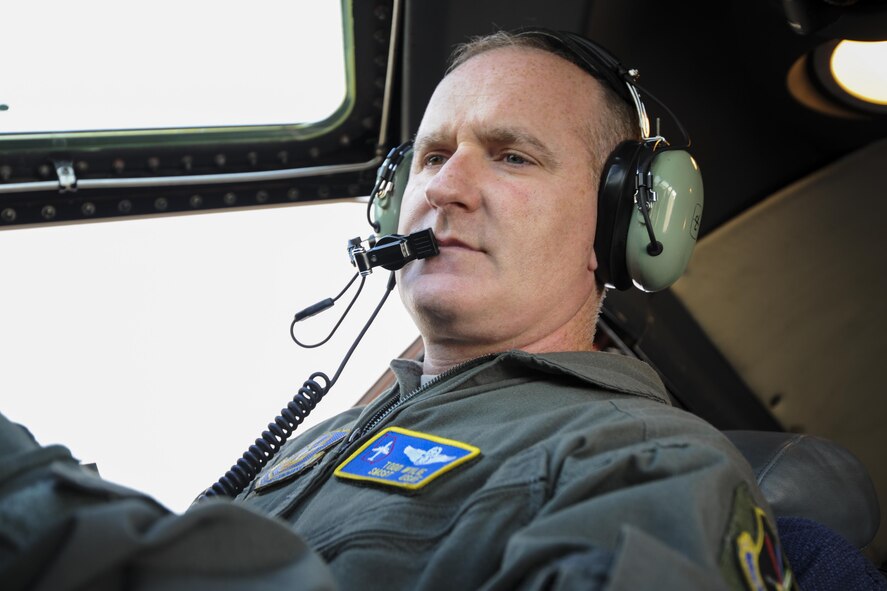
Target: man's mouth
[{"x": 450, "y": 242}]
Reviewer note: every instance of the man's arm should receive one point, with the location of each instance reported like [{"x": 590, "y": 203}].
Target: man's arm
[
  {"x": 676, "y": 510},
  {"x": 62, "y": 527}
]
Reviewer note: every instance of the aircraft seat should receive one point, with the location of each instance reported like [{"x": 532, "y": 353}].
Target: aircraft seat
[
  {"x": 814, "y": 478},
  {"x": 825, "y": 503}
]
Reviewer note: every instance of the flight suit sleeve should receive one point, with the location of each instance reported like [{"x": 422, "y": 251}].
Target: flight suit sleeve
[
  {"x": 62, "y": 527},
  {"x": 676, "y": 509}
]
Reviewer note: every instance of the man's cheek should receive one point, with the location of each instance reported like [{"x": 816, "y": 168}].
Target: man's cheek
[{"x": 409, "y": 214}]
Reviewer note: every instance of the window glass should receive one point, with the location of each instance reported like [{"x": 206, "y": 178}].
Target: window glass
[
  {"x": 159, "y": 348},
  {"x": 106, "y": 65}
]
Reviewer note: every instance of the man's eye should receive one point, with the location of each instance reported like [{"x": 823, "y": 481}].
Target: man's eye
[
  {"x": 434, "y": 160},
  {"x": 515, "y": 159}
]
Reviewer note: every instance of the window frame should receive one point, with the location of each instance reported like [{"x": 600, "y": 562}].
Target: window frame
[{"x": 82, "y": 176}]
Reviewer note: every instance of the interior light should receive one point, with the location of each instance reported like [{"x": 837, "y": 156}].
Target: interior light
[
  {"x": 842, "y": 79},
  {"x": 860, "y": 69}
]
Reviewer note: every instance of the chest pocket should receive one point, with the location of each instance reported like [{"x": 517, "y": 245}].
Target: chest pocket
[{"x": 464, "y": 516}]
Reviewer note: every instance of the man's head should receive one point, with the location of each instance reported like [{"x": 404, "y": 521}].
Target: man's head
[{"x": 505, "y": 170}]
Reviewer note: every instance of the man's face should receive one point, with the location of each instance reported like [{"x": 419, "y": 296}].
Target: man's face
[{"x": 502, "y": 174}]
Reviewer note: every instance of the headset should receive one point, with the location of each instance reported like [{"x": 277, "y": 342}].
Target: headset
[{"x": 650, "y": 195}]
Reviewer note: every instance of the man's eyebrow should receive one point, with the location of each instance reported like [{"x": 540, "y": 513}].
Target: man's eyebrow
[
  {"x": 517, "y": 136},
  {"x": 421, "y": 143},
  {"x": 495, "y": 136}
]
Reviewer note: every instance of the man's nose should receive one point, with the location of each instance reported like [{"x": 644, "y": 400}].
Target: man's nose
[{"x": 457, "y": 183}]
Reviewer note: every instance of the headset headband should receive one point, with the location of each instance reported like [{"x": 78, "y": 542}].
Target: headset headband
[
  {"x": 601, "y": 64},
  {"x": 605, "y": 67}
]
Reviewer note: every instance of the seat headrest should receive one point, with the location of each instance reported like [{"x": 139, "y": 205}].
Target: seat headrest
[{"x": 811, "y": 477}]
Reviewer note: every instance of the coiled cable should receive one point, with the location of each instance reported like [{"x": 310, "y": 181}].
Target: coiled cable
[{"x": 247, "y": 467}]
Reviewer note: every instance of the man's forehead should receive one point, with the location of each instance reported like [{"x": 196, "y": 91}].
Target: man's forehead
[
  {"x": 512, "y": 88},
  {"x": 519, "y": 69},
  {"x": 544, "y": 132},
  {"x": 511, "y": 58}
]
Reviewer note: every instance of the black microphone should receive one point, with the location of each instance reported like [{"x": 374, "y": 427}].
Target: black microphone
[{"x": 392, "y": 251}]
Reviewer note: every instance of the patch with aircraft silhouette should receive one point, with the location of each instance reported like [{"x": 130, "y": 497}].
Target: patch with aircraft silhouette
[
  {"x": 405, "y": 459},
  {"x": 287, "y": 468}
]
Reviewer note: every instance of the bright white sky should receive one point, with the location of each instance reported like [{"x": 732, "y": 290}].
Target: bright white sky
[
  {"x": 160, "y": 348},
  {"x": 103, "y": 64}
]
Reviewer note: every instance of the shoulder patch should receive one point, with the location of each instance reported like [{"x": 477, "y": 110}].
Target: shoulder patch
[
  {"x": 405, "y": 459},
  {"x": 752, "y": 557},
  {"x": 289, "y": 467}
]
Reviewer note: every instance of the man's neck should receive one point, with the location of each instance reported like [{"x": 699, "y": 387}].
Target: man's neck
[
  {"x": 446, "y": 348},
  {"x": 441, "y": 356}
]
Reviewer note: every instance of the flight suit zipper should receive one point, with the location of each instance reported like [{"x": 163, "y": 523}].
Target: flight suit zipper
[
  {"x": 322, "y": 476},
  {"x": 399, "y": 401}
]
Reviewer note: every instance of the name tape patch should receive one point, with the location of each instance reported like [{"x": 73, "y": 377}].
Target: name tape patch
[
  {"x": 405, "y": 459},
  {"x": 306, "y": 457}
]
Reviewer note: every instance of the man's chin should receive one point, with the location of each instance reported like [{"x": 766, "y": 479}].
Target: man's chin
[{"x": 438, "y": 297}]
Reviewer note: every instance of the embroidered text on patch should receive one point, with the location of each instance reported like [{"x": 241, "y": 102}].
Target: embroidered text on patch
[
  {"x": 405, "y": 459},
  {"x": 308, "y": 456}
]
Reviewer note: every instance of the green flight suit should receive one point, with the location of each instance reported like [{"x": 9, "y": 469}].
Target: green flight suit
[
  {"x": 584, "y": 477},
  {"x": 585, "y": 474}
]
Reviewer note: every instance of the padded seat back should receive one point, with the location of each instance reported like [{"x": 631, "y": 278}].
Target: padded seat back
[{"x": 813, "y": 478}]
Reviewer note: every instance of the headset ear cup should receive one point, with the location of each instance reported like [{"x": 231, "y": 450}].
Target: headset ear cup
[
  {"x": 675, "y": 218},
  {"x": 614, "y": 212},
  {"x": 386, "y": 210}
]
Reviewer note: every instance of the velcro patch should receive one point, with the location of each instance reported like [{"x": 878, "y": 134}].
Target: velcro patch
[
  {"x": 753, "y": 558},
  {"x": 760, "y": 555},
  {"x": 405, "y": 459},
  {"x": 290, "y": 467}
]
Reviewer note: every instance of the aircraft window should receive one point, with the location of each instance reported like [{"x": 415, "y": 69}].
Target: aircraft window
[
  {"x": 93, "y": 67},
  {"x": 139, "y": 342},
  {"x": 109, "y": 112}
]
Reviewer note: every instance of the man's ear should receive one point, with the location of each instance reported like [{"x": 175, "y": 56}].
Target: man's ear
[{"x": 592, "y": 261}]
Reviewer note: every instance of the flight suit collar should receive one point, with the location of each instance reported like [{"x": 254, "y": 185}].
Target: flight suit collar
[
  {"x": 408, "y": 373},
  {"x": 606, "y": 371}
]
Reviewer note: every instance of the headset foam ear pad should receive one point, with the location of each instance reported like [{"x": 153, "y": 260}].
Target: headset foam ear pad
[
  {"x": 675, "y": 217},
  {"x": 386, "y": 211},
  {"x": 614, "y": 212}
]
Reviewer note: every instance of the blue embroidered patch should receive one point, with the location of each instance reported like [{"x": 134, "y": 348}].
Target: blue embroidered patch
[
  {"x": 405, "y": 459},
  {"x": 290, "y": 467}
]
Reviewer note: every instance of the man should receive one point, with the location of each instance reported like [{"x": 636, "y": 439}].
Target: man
[
  {"x": 513, "y": 456},
  {"x": 566, "y": 467}
]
